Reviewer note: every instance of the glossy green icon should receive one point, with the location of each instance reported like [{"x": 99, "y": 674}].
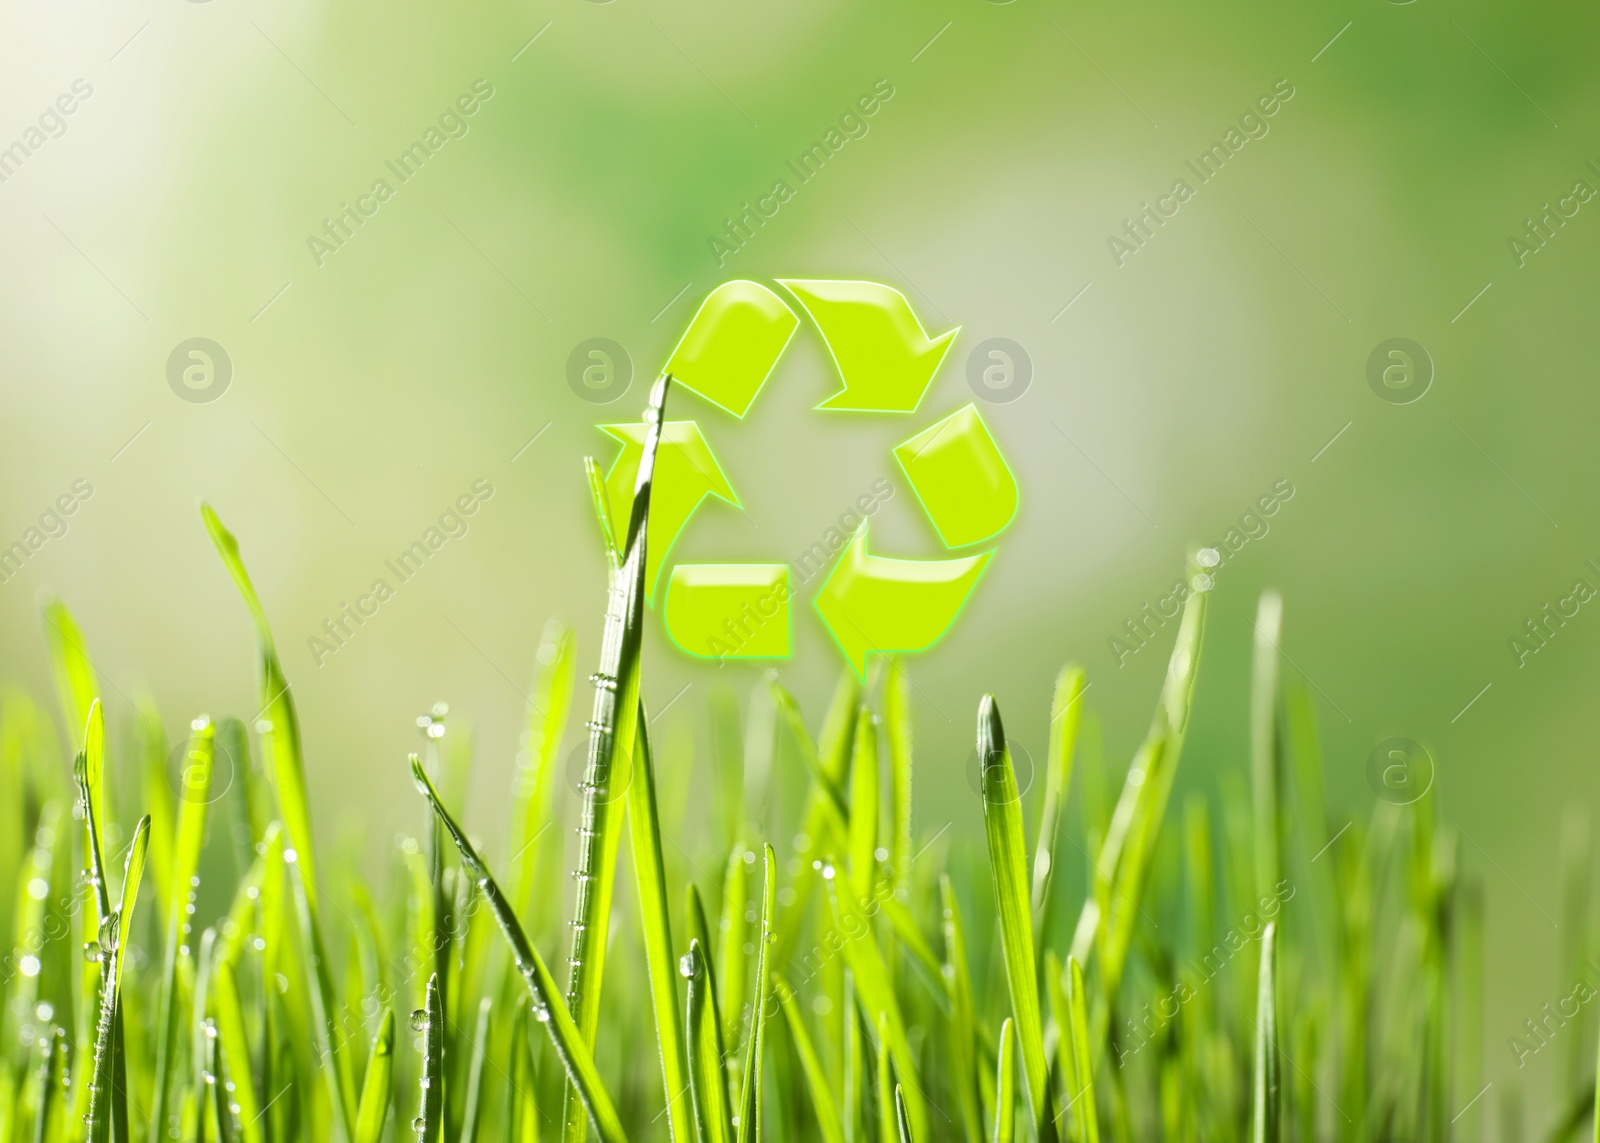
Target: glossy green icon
[{"x": 870, "y": 603}]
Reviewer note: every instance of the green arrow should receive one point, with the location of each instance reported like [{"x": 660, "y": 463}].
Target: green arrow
[
  {"x": 875, "y": 605},
  {"x": 883, "y": 354},
  {"x": 731, "y": 346},
  {"x": 729, "y": 611},
  {"x": 686, "y": 473},
  {"x": 960, "y": 478}
]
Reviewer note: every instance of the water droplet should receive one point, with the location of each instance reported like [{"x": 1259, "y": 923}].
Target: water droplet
[
  {"x": 541, "y": 1014},
  {"x": 686, "y": 966},
  {"x": 111, "y": 929},
  {"x": 419, "y": 1020},
  {"x": 1208, "y": 557},
  {"x": 419, "y": 1124},
  {"x": 92, "y": 952}
]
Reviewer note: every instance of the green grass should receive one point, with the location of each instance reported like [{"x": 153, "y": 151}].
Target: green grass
[{"x": 1096, "y": 968}]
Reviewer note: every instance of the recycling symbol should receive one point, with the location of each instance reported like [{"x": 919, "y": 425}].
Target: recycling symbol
[{"x": 871, "y": 604}]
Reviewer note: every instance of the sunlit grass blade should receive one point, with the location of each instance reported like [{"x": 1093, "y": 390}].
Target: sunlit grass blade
[
  {"x": 1083, "y": 1098},
  {"x": 157, "y": 791},
  {"x": 732, "y": 962},
  {"x": 708, "y": 1088},
  {"x": 538, "y": 760},
  {"x": 1066, "y": 711},
  {"x": 549, "y": 1007},
  {"x": 281, "y": 727},
  {"x": 377, "y": 1086},
  {"x": 750, "y": 1099},
  {"x": 188, "y": 840},
  {"x": 832, "y": 757},
  {"x": 234, "y": 1045},
  {"x": 1005, "y": 1085},
  {"x": 963, "y": 1021},
  {"x": 51, "y": 1077},
  {"x": 472, "y": 1113},
  {"x": 612, "y": 728},
  {"x": 902, "y": 1118},
  {"x": 429, "y": 1123},
  {"x": 897, "y": 727},
  {"x": 884, "y": 1073},
  {"x": 333, "y": 1062},
  {"x": 822, "y": 1101},
  {"x": 1265, "y": 1101},
  {"x": 716, "y": 1045},
  {"x": 1110, "y": 914},
  {"x": 74, "y": 672},
  {"x": 278, "y": 720},
  {"x": 1264, "y": 743},
  {"x": 656, "y": 924},
  {"x": 875, "y": 993},
  {"x": 1008, "y": 869},
  {"x": 863, "y": 824},
  {"x": 108, "y": 1103}
]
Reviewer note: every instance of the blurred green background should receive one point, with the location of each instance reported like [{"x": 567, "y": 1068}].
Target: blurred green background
[{"x": 1168, "y": 393}]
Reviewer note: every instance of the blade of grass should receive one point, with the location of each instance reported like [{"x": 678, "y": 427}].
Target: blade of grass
[
  {"x": 714, "y": 1047},
  {"x": 377, "y": 1087},
  {"x": 108, "y": 1104},
  {"x": 539, "y": 758},
  {"x": 480, "y": 1052},
  {"x": 1005, "y": 1085},
  {"x": 733, "y": 964},
  {"x": 1008, "y": 869},
  {"x": 832, "y": 754},
  {"x": 897, "y": 724},
  {"x": 1066, "y": 711},
  {"x": 1108, "y": 917},
  {"x": 611, "y": 736},
  {"x": 902, "y": 1118},
  {"x": 234, "y": 1044},
  {"x": 188, "y": 840},
  {"x": 822, "y": 1101},
  {"x": 281, "y": 728},
  {"x": 885, "y": 1084},
  {"x": 708, "y": 1090},
  {"x": 429, "y": 1123},
  {"x": 74, "y": 673},
  {"x": 1265, "y": 1106},
  {"x": 852, "y": 934},
  {"x": 332, "y": 1060},
  {"x": 863, "y": 823},
  {"x": 963, "y": 1021},
  {"x": 549, "y": 1007},
  {"x": 279, "y": 722},
  {"x": 750, "y": 1101},
  {"x": 1264, "y": 743},
  {"x": 655, "y": 921},
  {"x": 1082, "y": 1057}
]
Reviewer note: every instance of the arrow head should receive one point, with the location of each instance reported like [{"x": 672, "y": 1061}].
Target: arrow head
[
  {"x": 686, "y": 472},
  {"x": 885, "y": 358},
  {"x": 878, "y": 606}
]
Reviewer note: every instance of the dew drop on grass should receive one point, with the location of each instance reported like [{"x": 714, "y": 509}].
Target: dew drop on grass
[
  {"x": 92, "y": 952},
  {"x": 419, "y": 1020},
  {"x": 686, "y": 966}
]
